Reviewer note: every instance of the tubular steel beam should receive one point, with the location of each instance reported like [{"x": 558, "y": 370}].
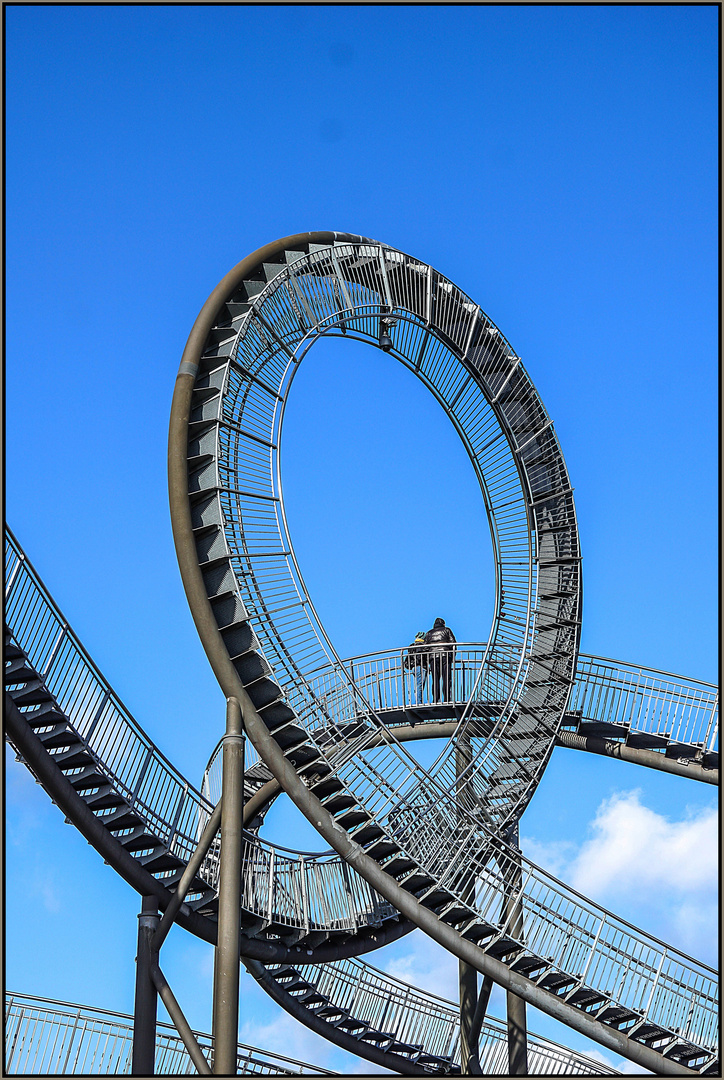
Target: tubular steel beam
[
  {"x": 226, "y": 965},
  {"x": 481, "y": 1007},
  {"x": 174, "y": 1011},
  {"x": 654, "y": 759},
  {"x": 467, "y": 975},
  {"x": 515, "y": 1006},
  {"x": 60, "y": 789},
  {"x": 569, "y": 740},
  {"x": 409, "y": 906},
  {"x": 146, "y": 1001},
  {"x": 192, "y": 868}
]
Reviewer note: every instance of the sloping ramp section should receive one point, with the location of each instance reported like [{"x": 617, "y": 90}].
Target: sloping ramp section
[
  {"x": 56, "y": 1038},
  {"x": 431, "y": 842},
  {"x": 133, "y": 837}
]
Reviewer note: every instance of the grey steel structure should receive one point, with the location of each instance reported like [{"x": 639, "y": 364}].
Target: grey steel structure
[
  {"x": 409, "y": 846},
  {"x": 57, "y": 1038}
]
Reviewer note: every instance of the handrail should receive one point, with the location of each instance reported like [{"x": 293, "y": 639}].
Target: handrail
[
  {"x": 106, "y": 1037},
  {"x": 574, "y": 934},
  {"x": 417, "y": 1015}
]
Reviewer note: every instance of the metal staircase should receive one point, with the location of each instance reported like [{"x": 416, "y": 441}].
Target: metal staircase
[
  {"x": 57, "y": 1038},
  {"x": 413, "y": 846},
  {"x": 298, "y": 921},
  {"x": 352, "y": 778}
]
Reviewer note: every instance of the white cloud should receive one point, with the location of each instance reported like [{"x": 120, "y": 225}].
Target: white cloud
[
  {"x": 426, "y": 965},
  {"x": 286, "y": 1036},
  {"x": 656, "y": 871},
  {"x": 554, "y": 855},
  {"x": 633, "y": 848}
]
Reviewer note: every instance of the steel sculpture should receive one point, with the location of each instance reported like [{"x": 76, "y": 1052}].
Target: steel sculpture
[{"x": 434, "y": 848}]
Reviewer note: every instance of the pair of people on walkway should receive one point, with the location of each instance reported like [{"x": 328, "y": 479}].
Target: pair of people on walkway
[{"x": 433, "y": 653}]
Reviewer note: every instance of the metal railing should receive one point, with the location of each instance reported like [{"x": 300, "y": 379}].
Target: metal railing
[
  {"x": 46, "y": 1037},
  {"x": 641, "y": 699},
  {"x": 647, "y": 700},
  {"x": 563, "y": 928},
  {"x": 419, "y": 1017},
  {"x": 118, "y": 745},
  {"x": 298, "y": 891},
  {"x": 610, "y": 691},
  {"x": 442, "y": 336},
  {"x": 293, "y": 890}
]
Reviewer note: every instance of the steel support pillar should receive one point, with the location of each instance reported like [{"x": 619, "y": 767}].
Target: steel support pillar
[
  {"x": 146, "y": 1001},
  {"x": 226, "y": 959},
  {"x": 468, "y": 1001},
  {"x": 516, "y": 1008},
  {"x": 468, "y": 976},
  {"x": 481, "y": 1008}
]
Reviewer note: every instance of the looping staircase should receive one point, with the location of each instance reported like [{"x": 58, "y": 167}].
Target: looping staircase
[
  {"x": 414, "y": 846},
  {"x": 77, "y": 759}
]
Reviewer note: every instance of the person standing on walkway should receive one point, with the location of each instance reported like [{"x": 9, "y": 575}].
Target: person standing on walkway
[
  {"x": 416, "y": 660},
  {"x": 440, "y": 652}
]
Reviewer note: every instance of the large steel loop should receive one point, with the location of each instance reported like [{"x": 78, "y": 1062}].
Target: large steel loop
[{"x": 229, "y": 521}]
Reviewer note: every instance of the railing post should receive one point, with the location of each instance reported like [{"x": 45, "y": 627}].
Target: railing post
[
  {"x": 146, "y": 1002},
  {"x": 70, "y": 1044},
  {"x": 14, "y": 573},
  {"x": 226, "y": 972}
]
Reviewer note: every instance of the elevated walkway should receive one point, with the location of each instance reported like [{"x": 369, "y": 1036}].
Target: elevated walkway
[{"x": 119, "y": 790}]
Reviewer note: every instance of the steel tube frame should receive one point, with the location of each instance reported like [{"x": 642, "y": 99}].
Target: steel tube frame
[
  {"x": 182, "y": 1026},
  {"x": 467, "y": 975},
  {"x": 267, "y": 747},
  {"x": 654, "y": 759},
  {"x": 481, "y": 1008},
  {"x": 411, "y": 908},
  {"x": 146, "y": 1000},
  {"x": 192, "y": 868},
  {"x": 515, "y": 1006},
  {"x": 226, "y": 960}
]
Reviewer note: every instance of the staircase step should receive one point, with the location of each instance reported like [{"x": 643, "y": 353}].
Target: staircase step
[
  {"x": 353, "y": 815},
  {"x": 644, "y": 740},
  {"x": 415, "y": 879},
  {"x": 326, "y": 786},
  {"x": 18, "y": 669},
  {"x": 304, "y": 754},
  {"x": 556, "y": 981},
  {"x": 503, "y": 947},
  {"x": 529, "y": 965},
  {"x": 364, "y": 834},
  {"x": 32, "y": 693},
  {"x": 45, "y": 713},
  {"x": 616, "y": 1016},
  {"x": 585, "y": 998}
]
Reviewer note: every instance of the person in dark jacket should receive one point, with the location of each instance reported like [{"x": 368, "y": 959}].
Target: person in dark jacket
[{"x": 440, "y": 651}]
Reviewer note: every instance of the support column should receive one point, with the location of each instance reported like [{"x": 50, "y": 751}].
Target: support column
[
  {"x": 146, "y": 1001},
  {"x": 478, "y": 1020},
  {"x": 468, "y": 976},
  {"x": 226, "y": 959},
  {"x": 516, "y": 1008}
]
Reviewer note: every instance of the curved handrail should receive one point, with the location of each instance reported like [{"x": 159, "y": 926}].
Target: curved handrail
[
  {"x": 568, "y": 930},
  {"x": 49, "y": 1037},
  {"x": 120, "y": 747},
  {"x": 631, "y": 697},
  {"x": 390, "y": 1003}
]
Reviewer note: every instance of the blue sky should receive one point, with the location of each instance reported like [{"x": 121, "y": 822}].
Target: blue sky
[{"x": 560, "y": 165}]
